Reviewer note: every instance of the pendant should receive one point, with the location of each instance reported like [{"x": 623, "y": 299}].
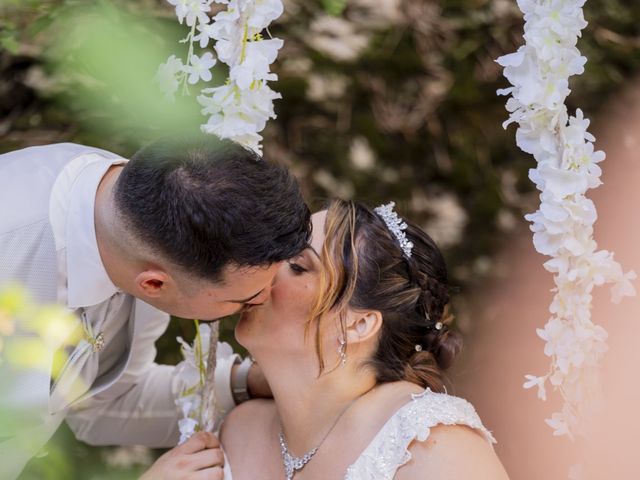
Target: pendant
[{"x": 293, "y": 464}]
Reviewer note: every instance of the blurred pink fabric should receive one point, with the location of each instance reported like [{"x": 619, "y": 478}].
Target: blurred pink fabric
[{"x": 503, "y": 346}]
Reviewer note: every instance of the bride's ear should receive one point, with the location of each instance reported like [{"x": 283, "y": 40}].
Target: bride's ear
[{"x": 363, "y": 325}]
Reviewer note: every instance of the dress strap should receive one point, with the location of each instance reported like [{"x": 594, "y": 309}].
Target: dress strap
[{"x": 389, "y": 449}]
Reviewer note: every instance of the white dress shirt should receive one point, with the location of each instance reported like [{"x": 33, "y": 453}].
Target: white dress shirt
[{"x": 113, "y": 396}]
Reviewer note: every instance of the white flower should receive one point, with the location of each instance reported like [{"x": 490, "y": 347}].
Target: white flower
[
  {"x": 189, "y": 372},
  {"x": 533, "y": 381},
  {"x": 229, "y": 33},
  {"x": 255, "y": 67},
  {"x": 199, "y": 68},
  {"x": 206, "y": 33},
  {"x": 239, "y": 115},
  {"x": 559, "y": 424},
  {"x": 262, "y": 12},
  {"x": 167, "y": 76},
  {"x": 227, "y": 23},
  {"x": 187, "y": 427},
  {"x": 623, "y": 287},
  {"x": 192, "y": 10}
]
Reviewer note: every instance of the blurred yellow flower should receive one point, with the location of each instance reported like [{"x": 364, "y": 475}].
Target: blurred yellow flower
[{"x": 31, "y": 331}]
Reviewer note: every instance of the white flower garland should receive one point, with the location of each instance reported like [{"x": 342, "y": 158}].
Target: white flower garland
[
  {"x": 191, "y": 382},
  {"x": 239, "y": 109},
  {"x": 191, "y": 372},
  {"x": 567, "y": 166}
]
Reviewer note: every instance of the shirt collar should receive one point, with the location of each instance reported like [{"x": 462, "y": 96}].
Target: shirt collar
[{"x": 87, "y": 280}]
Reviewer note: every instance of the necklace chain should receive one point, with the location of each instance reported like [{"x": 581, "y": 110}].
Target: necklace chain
[{"x": 293, "y": 464}]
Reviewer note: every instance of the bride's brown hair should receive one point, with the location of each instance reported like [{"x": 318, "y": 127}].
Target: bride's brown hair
[{"x": 364, "y": 268}]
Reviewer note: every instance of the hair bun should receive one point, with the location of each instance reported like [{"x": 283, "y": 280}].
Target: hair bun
[
  {"x": 425, "y": 366},
  {"x": 422, "y": 369},
  {"x": 445, "y": 347}
]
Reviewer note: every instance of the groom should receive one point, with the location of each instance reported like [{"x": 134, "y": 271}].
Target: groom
[{"x": 193, "y": 227}]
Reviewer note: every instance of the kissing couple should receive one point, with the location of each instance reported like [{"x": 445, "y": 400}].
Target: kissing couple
[{"x": 345, "y": 313}]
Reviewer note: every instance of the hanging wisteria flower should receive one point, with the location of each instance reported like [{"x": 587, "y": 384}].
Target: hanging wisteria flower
[
  {"x": 189, "y": 378},
  {"x": 199, "y": 68},
  {"x": 205, "y": 34},
  {"x": 255, "y": 67},
  {"x": 567, "y": 167},
  {"x": 168, "y": 76},
  {"x": 240, "y": 109},
  {"x": 190, "y": 11}
]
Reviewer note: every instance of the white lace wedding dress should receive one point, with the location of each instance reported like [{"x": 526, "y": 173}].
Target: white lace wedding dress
[{"x": 389, "y": 449}]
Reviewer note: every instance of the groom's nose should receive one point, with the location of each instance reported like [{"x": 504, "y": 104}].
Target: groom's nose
[
  {"x": 265, "y": 294},
  {"x": 269, "y": 288}
]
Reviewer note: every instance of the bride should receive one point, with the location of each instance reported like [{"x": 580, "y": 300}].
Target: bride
[{"x": 353, "y": 342}]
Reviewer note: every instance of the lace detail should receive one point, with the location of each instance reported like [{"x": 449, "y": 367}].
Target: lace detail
[{"x": 389, "y": 449}]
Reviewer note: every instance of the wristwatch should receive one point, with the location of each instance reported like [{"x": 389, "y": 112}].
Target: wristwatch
[{"x": 239, "y": 386}]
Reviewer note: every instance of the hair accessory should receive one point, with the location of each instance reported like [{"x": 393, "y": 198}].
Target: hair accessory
[
  {"x": 396, "y": 225},
  {"x": 418, "y": 348},
  {"x": 438, "y": 325}
]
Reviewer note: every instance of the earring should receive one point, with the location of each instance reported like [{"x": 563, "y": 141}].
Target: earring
[{"x": 342, "y": 351}]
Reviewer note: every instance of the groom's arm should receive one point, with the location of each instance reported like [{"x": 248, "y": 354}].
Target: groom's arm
[
  {"x": 145, "y": 413},
  {"x": 139, "y": 408}
]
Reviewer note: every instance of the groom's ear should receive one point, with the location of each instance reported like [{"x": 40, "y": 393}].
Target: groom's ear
[
  {"x": 152, "y": 282},
  {"x": 363, "y": 325}
]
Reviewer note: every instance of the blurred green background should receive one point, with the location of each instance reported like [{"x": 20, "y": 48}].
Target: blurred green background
[{"x": 382, "y": 99}]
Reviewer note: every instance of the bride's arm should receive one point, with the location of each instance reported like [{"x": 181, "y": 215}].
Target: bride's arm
[{"x": 452, "y": 453}]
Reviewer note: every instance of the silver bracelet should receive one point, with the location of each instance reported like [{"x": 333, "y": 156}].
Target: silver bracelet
[{"x": 240, "y": 387}]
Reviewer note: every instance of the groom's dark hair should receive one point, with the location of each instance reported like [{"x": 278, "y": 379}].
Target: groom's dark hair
[{"x": 204, "y": 203}]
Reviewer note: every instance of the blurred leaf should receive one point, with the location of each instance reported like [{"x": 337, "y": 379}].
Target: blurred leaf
[
  {"x": 334, "y": 7},
  {"x": 9, "y": 42},
  {"x": 108, "y": 58}
]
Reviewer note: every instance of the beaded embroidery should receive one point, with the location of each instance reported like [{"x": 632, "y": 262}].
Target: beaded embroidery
[{"x": 389, "y": 449}]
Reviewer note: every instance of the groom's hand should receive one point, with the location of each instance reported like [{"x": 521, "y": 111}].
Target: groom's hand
[{"x": 198, "y": 458}]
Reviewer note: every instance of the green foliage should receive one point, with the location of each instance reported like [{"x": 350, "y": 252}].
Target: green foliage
[
  {"x": 8, "y": 40},
  {"x": 110, "y": 56},
  {"x": 334, "y": 7}
]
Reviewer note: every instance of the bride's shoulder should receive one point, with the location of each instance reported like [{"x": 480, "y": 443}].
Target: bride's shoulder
[
  {"x": 452, "y": 452},
  {"x": 429, "y": 431},
  {"x": 449, "y": 440},
  {"x": 248, "y": 420},
  {"x": 426, "y": 408}
]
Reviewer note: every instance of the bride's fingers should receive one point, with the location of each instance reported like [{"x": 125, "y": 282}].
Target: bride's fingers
[
  {"x": 199, "y": 441},
  {"x": 215, "y": 473},
  {"x": 211, "y": 457}
]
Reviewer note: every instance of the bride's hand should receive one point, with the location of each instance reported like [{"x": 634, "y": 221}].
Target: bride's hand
[{"x": 198, "y": 458}]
